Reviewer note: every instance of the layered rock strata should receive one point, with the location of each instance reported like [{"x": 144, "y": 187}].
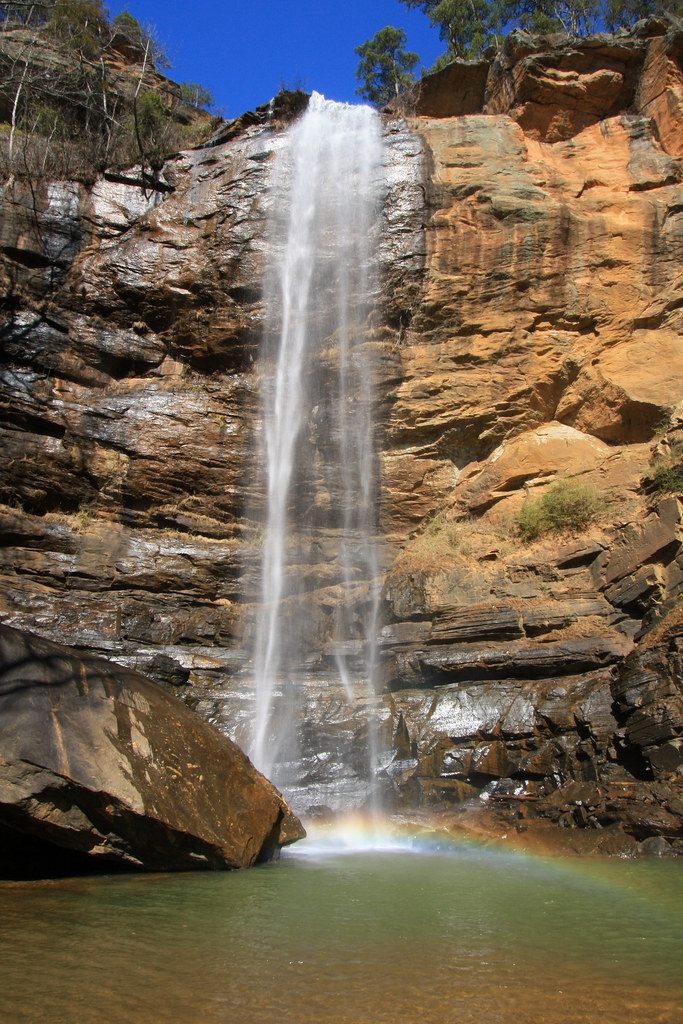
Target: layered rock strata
[{"x": 529, "y": 332}]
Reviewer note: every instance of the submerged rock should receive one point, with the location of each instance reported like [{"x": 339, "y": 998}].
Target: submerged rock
[{"x": 98, "y": 764}]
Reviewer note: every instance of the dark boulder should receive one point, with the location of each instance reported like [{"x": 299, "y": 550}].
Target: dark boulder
[{"x": 100, "y": 765}]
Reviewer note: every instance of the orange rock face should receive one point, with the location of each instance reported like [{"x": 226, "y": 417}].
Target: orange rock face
[
  {"x": 547, "y": 346},
  {"x": 553, "y": 287}
]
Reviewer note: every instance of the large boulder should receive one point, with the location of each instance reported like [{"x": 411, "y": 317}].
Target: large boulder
[{"x": 96, "y": 760}]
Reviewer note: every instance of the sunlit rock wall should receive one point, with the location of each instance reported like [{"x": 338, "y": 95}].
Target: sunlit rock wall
[
  {"x": 546, "y": 346},
  {"x": 529, "y": 330}
]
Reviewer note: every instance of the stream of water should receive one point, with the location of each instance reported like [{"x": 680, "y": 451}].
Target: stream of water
[
  {"x": 317, "y": 409},
  {"x": 467, "y": 935}
]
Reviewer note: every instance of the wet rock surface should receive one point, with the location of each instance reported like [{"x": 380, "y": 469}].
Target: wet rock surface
[
  {"x": 561, "y": 704},
  {"x": 100, "y": 767},
  {"x": 529, "y": 331}
]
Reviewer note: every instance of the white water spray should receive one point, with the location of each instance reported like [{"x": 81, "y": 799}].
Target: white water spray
[{"x": 317, "y": 389}]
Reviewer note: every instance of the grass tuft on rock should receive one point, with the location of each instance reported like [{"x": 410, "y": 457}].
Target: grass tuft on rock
[
  {"x": 666, "y": 478},
  {"x": 566, "y": 507}
]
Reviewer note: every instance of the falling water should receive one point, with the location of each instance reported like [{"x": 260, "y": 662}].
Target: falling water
[{"x": 317, "y": 389}]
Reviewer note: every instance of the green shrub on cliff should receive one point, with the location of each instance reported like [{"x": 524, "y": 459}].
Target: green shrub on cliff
[
  {"x": 566, "y": 506},
  {"x": 666, "y": 476}
]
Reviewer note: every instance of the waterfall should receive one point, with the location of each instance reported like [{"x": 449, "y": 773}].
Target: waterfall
[{"x": 317, "y": 411}]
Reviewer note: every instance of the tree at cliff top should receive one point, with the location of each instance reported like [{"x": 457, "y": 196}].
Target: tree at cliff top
[
  {"x": 468, "y": 27},
  {"x": 580, "y": 17},
  {"x": 197, "y": 95},
  {"x": 143, "y": 38},
  {"x": 575, "y": 17},
  {"x": 624, "y": 13},
  {"x": 67, "y": 110},
  {"x": 385, "y": 68}
]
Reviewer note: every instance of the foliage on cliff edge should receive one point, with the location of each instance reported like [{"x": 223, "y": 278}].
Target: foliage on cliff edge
[
  {"x": 468, "y": 27},
  {"x": 79, "y": 93}
]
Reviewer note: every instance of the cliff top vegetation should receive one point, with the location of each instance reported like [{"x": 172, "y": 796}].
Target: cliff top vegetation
[
  {"x": 80, "y": 93},
  {"x": 476, "y": 28}
]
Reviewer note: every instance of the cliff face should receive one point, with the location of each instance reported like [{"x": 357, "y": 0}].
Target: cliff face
[{"x": 530, "y": 331}]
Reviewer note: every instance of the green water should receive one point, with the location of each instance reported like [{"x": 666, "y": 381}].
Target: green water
[{"x": 472, "y": 935}]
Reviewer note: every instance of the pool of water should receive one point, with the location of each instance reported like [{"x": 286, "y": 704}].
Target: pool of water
[{"x": 391, "y": 935}]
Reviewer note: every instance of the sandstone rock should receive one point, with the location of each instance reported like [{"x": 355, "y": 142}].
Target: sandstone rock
[
  {"x": 485, "y": 622},
  {"x": 282, "y": 109},
  {"x": 97, "y": 760},
  {"x": 470, "y": 662},
  {"x": 627, "y": 393},
  {"x": 637, "y": 590},
  {"x": 578, "y": 553},
  {"x": 660, "y": 90},
  {"x": 531, "y": 458},
  {"x": 666, "y": 758},
  {"x": 455, "y": 90},
  {"x": 645, "y": 822},
  {"x": 493, "y": 351},
  {"x": 562, "y": 614},
  {"x": 645, "y": 542},
  {"x": 616, "y": 844},
  {"x": 648, "y": 690},
  {"x": 655, "y": 846},
  {"x": 557, "y": 90},
  {"x": 595, "y": 715},
  {"x": 523, "y": 734}
]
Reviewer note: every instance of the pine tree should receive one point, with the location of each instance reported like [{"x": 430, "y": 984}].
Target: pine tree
[{"x": 385, "y": 68}]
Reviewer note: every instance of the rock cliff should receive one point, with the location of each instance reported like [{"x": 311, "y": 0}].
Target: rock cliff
[{"x": 529, "y": 333}]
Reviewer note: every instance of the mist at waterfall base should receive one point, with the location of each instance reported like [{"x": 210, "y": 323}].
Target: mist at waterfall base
[
  {"x": 319, "y": 572},
  {"x": 471, "y": 936}
]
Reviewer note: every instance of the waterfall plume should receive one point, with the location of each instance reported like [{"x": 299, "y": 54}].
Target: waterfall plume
[{"x": 318, "y": 448}]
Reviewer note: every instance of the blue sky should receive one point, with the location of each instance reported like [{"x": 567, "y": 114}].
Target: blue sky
[{"x": 244, "y": 53}]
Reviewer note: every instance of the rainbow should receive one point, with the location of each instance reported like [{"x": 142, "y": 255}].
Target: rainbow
[{"x": 357, "y": 833}]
